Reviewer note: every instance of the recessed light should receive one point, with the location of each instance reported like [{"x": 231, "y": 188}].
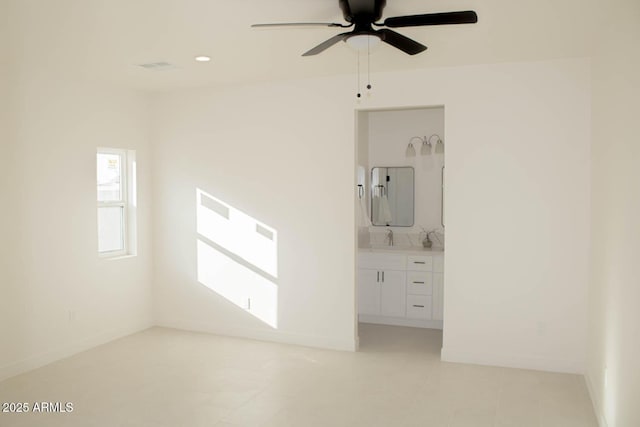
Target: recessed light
[{"x": 203, "y": 58}]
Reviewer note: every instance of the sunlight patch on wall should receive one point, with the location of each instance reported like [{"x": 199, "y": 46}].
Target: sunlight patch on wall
[
  {"x": 238, "y": 233},
  {"x": 237, "y": 257}
]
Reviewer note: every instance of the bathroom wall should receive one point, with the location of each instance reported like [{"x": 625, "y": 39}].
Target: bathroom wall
[
  {"x": 388, "y": 135},
  {"x": 363, "y": 218}
]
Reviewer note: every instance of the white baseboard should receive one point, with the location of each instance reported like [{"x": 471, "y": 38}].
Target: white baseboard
[
  {"x": 399, "y": 321},
  {"x": 277, "y": 336},
  {"x": 596, "y": 401},
  {"x": 512, "y": 361},
  {"x": 53, "y": 355}
]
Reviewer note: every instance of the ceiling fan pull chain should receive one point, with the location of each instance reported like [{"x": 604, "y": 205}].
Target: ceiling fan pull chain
[
  {"x": 368, "y": 64},
  {"x": 358, "y": 62}
]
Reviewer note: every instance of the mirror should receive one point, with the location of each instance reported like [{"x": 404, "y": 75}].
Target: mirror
[{"x": 392, "y": 196}]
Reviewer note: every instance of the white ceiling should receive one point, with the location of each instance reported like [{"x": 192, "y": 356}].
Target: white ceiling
[{"x": 105, "y": 39}]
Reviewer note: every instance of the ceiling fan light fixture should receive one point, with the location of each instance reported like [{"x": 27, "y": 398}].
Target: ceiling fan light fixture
[{"x": 363, "y": 42}]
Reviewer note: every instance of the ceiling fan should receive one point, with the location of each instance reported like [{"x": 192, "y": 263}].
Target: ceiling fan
[{"x": 363, "y": 15}]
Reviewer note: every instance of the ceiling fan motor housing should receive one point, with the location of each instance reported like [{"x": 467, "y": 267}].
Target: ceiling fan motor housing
[{"x": 361, "y": 12}]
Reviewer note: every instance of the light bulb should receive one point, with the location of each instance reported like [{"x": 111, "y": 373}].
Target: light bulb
[
  {"x": 425, "y": 150},
  {"x": 411, "y": 152}
]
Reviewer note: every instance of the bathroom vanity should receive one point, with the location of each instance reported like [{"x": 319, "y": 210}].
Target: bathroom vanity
[{"x": 403, "y": 287}]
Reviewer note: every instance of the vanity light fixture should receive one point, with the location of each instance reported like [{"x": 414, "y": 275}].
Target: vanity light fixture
[
  {"x": 439, "y": 144},
  {"x": 202, "y": 58},
  {"x": 411, "y": 152},
  {"x": 425, "y": 148}
]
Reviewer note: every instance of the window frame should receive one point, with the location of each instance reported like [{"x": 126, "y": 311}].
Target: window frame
[{"x": 123, "y": 202}]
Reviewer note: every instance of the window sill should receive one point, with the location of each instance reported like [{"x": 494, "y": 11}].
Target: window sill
[{"x": 117, "y": 257}]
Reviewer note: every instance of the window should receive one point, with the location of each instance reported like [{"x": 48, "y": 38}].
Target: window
[{"x": 116, "y": 219}]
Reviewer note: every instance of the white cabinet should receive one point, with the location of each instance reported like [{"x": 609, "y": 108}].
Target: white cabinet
[
  {"x": 419, "y": 287},
  {"x": 419, "y": 283},
  {"x": 401, "y": 289},
  {"x": 419, "y": 262},
  {"x": 393, "y": 293},
  {"x": 381, "y": 292},
  {"x": 368, "y": 292},
  {"x": 438, "y": 295},
  {"x": 419, "y": 307}
]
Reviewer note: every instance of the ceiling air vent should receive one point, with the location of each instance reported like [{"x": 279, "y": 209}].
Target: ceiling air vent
[{"x": 158, "y": 66}]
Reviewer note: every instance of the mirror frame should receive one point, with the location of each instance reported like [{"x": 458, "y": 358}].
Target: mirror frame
[{"x": 413, "y": 195}]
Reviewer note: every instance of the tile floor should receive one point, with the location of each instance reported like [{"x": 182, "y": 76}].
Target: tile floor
[{"x": 164, "y": 377}]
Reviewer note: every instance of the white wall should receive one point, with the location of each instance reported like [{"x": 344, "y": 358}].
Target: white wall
[
  {"x": 517, "y": 215},
  {"x": 389, "y": 134},
  {"x": 614, "y": 340},
  {"x": 49, "y": 256},
  {"x": 6, "y": 167},
  {"x": 283, "y": 154},
  {"x": 517, "y": 204}
]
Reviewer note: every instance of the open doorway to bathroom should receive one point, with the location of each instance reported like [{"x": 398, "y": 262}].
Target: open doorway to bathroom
[{"x": 400, "y": 218}]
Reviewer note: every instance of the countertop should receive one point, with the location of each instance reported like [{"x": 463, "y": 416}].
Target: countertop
[{"x": 405, "y": 250}]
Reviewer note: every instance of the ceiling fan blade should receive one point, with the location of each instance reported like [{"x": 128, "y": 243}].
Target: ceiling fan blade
[
  {"x": 300, "y": 24},
  {"x": 446, "y": 18},
  {"x": 325, "y": 45},
  {"x": 401, "y": 42}
]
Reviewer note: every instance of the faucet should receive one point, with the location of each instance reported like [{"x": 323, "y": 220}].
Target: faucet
[{"x": 390, "y": 237}]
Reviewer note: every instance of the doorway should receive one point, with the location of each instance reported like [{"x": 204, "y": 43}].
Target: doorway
[{"x": 400, "y": 222}]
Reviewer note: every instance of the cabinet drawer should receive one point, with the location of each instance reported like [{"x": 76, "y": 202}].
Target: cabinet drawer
[
  {"x": 419, "y": 262},
  {"x": 382, "y": 261},
  {"x": 419, "y": 283},
  {"x": 419, "y": 307}
]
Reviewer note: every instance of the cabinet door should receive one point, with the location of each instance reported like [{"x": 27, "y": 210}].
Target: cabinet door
[
  {"x": 438, "y": 296},
  {"x": 368, "y": 292},
  {"x": 393, "y": 293}
]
